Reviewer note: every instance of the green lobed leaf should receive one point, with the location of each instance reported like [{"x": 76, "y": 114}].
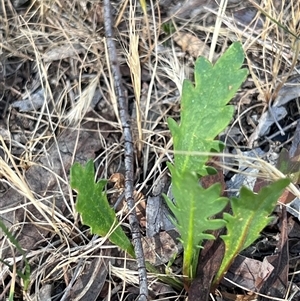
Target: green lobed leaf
[
  {"x": 204, "y": 109},
  {"x": 204, "y": 114},
  {"x": 251, "y": 214},
  {"x": 94, "y": 208},
  {"x": 193, "y": 208}
]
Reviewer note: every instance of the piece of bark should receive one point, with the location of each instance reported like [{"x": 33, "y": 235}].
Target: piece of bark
[
  {"x": 157, "y": 216},
  {"x": 277, "y": 283},
  {"x": 209, "y": 263},
  {"x": 48, "y": 181},
  {"x": 157, "y": 212}
]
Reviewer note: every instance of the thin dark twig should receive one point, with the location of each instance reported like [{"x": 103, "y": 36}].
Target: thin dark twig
[{"x": 128, "y": 150}]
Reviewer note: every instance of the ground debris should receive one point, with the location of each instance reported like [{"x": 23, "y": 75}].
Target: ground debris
[{"x": 48, "y": 176}]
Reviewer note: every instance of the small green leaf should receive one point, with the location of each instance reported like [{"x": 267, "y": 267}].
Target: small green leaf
[
  {"x": 168, "y": 28},
  {"x": 193, "y": 208},
  {"x": 251, "y": 214},
  {"x": 94, "y": 208},
  {"x": 204, "y": 109}
]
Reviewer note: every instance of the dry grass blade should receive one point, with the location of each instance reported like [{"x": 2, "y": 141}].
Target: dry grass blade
[
  {"x": 221, "y": 13},
  {"x": 133, "y": 61},
  {"x": 77, "y": 113},
  {"x": 17, "y": 181}
]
